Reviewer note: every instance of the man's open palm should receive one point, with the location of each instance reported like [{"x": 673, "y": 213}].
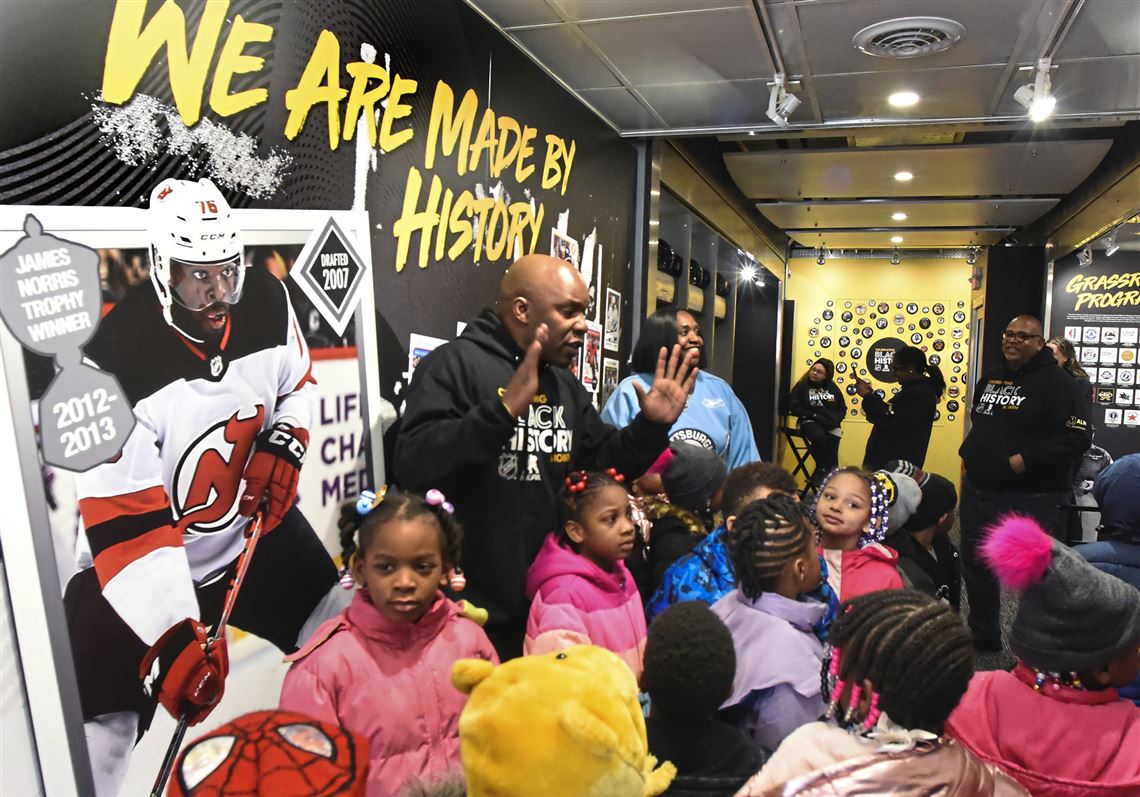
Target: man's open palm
[{"x": 672, "y": 381}]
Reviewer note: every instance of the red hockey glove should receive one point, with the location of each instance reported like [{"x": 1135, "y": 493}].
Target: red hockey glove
[
  {"x": 186, "y": 680},
  {"x": 274, "y": 467}
]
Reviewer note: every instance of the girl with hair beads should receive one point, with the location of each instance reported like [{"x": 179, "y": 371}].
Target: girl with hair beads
[
  {"x": 852, "y": 512},
  {"x": 776, "y": 686},
  {"x": 580, "y": 589},
  {"x": 383, "y": 667},
  {"x": 898, "y": 663}
]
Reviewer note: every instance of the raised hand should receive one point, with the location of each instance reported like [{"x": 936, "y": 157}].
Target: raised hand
[
  {"x": 524, "y": 384},
  {"x": 672, "y": 382}
]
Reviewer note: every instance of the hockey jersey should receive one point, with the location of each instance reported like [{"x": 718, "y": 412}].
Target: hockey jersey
[{"x": 164, "y": 514}]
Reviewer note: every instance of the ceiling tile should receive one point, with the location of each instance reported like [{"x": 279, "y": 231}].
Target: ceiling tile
[
  {"x": 622, "y": 109},
  {"x": 562, "y": 51},
  {"x": 701, "y": 47},
  {"x": 920, "y": 213},
  {"x": 739, "y": 102},
  {"x": 579, "y": 10},
  {"x": 511, "y": 13},
  {"x": 1103, "y": 27},
  {"x": 944, "y": 93},
  {"x": 992, "y": 29},
  {"x": 1046, "y": 168}
]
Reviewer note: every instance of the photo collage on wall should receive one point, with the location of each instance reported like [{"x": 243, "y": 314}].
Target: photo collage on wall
[
  {"x": 1108, "y": 354},
  {"x": 597, "y": 373},
  {"x": 860, "y": 337}
]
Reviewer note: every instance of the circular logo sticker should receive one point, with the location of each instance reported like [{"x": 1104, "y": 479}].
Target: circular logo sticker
[
  {"x": 860, "y": 309},
  {"x": 841, "y": 367},
  {"x": 813, "y": 332},
  {"x": 959, "y": 317},
  {"x": 938, "y": 309},
  {"x": 956, "y": 356},
  {"x": 881, "y": 359},
  {"x": 825, "y": 342},
  {"x": 847, "y": 305},
  {"x": 937, "y": 415},
  {"x": 811, "y": 343},
  {"x": 912, "y": 308},
  {"x": 881, "y": 323},
  {"x": 844, "y": 341},
  {"x": 868, "y": 332},
  {"x": 851, "y": 390},
  {"x": 957, "y": 369},
  {"x": 961, "y": 303},
  {"x": 856, "y": 353},
  {"x": 934, "y": 359},
  {"x": 884, "y": 308},
  {"x": 916, "y": 338},
  {"x": 951, "y": 406},
  {"x": 939, "y": 345},
  {"x": 830, "y": 303},
  {"x": 924, "y": 323},
  {"x": 846, "y": 317},
  {"x": 953, "y": 391},
  {"x": 862, "y": 321},
  {"x": 950, "y": 417},
  {"x": 828, "y": 314}
]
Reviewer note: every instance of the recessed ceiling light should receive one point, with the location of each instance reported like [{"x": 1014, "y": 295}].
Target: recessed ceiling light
[
  {"x": 896, "y": 239},
  {"x": 898, "y": 216},
  {"x": 902, "y": 177},
  {"x": 903, "y": 99}
]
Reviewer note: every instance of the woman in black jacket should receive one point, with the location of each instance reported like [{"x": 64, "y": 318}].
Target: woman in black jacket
[
  {"x": 902, "y": 425},
  {"x": 819, "y": 404}
]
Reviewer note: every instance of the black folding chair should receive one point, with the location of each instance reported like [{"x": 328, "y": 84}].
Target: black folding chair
[{"x": 805, "y": 465}]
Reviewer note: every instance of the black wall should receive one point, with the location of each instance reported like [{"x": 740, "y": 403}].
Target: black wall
[
  {"x": 753, "y": 373},
  {"x": 1015, "y": 285}
]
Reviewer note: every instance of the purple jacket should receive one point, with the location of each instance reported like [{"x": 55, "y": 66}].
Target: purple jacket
[
  {"x": 575, "y": 602},
  {"x": 391, "y": 683}
]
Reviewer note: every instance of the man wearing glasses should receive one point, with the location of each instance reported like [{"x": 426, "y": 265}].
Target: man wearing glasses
[{"x": 1026, "y": 435}]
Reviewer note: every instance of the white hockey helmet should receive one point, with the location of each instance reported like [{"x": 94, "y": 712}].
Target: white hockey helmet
[{"x": 196, "y": 252}]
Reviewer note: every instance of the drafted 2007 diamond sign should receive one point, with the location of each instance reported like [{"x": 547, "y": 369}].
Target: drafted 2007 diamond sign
[{"x": 331, "y": 274}]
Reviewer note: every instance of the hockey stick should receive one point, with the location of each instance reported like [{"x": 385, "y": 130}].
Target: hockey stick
[{"x": 215, "y": 635}]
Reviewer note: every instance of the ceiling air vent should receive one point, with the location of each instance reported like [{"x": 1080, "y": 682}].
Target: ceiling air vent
[{"x": 908, "y": 37}]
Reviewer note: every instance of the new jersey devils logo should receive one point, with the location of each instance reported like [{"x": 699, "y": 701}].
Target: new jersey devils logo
[{"x": 208, "y": 474}]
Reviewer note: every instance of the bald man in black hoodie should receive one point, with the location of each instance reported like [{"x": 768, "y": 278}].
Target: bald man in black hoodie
[
  {"x": 496, "y": 421},
  {"x": 1026, "y": 432}
]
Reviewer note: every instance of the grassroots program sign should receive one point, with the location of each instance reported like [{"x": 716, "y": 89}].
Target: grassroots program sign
[{"x": 50, "y": 300}]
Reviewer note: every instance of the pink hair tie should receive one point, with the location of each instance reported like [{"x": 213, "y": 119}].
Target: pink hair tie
[{"x": 434, "y": 497}]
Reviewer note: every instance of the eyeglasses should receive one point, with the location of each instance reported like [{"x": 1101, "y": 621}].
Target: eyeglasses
[{"x": 1019, "y": 337}]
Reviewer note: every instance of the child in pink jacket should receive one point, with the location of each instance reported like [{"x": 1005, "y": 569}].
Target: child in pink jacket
[
  {"x": 580, "y": 589},
  {"x": 852, "y": 513},
  {"x": 383, "y": 667}
]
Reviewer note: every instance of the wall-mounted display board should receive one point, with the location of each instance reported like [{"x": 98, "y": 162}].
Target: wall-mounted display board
[
  {"x": 1097, "y": 308},
  {"x": 442, "y": 152}
]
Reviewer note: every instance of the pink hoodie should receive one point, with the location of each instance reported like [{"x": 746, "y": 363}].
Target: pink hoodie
[
  {"x": 864, "y": 570},
  {"x": 391, "y": 683},
  {"x": 575, "y": 602}
]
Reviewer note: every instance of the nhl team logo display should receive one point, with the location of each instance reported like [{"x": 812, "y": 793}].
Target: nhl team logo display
[{"x": 331, "y": 274}]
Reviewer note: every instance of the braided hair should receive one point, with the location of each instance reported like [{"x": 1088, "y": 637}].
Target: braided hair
[
  {"x": 880, "y": 504},
  {"x": 768, "y": 534},
  {"x": 357, "y": 531},
  {"x": 581, "y": 488},
  {"x": 742, "y": 482},
  {"x": 915, "y": 650}
]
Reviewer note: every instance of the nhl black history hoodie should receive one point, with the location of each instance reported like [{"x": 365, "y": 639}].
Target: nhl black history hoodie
[
  {"x": 1032, "y": 412},
  {"x": 504, "y": 474}
]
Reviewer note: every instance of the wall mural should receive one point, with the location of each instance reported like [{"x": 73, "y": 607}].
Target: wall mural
[{"x": 861, "y": 336}]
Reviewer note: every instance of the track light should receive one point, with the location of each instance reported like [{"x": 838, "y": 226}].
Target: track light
[
  {"x": 822, "y": 259},
  {"x": 1037, "y": 96},
  {"x": 781, "y": 104},
  {"x": 896, "y": 256},
  {"x": 1084, "y": 257},
  {"x": 748, "y": 273},
  {"x": 971, "y": 257},
  {"x": 1110, "y": 245}
]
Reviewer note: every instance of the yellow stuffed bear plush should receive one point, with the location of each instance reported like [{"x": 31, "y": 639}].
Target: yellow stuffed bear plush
[{"x": 566, "y": 724}]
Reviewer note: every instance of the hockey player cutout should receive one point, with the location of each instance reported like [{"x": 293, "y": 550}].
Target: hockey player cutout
[{"x": 219, "y": 378}]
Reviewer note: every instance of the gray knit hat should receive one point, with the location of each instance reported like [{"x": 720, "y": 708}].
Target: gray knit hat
[
  {"x": 694, "y": 476},
  {"x": 1072, "y": 617},
  {"x": 903, "y": 497}
]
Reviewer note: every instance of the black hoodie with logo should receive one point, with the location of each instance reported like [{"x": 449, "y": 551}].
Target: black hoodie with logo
[
  {"x": 503, "y": 475},
  {"x": 1033, "y": 412}
]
